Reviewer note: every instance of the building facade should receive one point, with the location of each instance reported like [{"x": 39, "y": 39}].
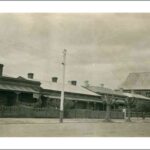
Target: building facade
[
  {"x": 27, "y": 97},
  {"x": 138, "y": 83}
]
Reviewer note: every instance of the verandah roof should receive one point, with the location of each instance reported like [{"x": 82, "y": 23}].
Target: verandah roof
[
  {"x": 71, "y": 98},
  {"x": 11, "y": 87},
  {"x": 137, "y": 96},
  {"x": 105, "y": 91}
]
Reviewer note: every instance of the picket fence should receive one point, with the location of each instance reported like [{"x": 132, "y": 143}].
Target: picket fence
[{"x": 29, "y": 112}]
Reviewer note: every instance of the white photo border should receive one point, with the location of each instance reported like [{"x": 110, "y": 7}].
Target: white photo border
[{"x": 74, "y": 7}]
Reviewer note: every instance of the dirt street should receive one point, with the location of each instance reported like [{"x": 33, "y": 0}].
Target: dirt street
[{"x": 23, "y": 127}]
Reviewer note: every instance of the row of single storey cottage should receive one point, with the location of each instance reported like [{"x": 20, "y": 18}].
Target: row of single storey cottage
[{"x": 26, "y": 97}]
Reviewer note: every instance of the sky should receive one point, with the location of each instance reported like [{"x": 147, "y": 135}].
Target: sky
[{"x": 101, "y": 47}]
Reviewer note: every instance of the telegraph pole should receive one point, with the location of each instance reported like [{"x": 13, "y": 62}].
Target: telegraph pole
[{"x": 63, "y": 87}]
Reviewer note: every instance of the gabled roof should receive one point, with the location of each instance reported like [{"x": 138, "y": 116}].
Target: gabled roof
[
  {"x": 103, "y": 90},
  {"x": 140, "y": 80},
  {"x": 20, "y": 88},
  {"x": 68, "y": 88}
]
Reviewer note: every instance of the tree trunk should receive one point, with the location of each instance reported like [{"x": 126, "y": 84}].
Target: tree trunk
[
  {"x": 129, "y": 113},
  {"x": 108, "y": 110}
]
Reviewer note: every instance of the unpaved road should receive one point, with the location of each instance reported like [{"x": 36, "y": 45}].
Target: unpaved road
[{"x": 23, "y": 127}]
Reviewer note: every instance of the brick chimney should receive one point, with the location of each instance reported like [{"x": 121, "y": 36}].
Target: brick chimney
[
  {"x": 30, "y": 75},
  {"x": 102, "y": 85},
  {"x": 121, "y": 89},
  {"x": 86, "y": 83},
  {"x": 1, "y": 70},
  {"x": 73, "y": 82},
  {"x": 54, "y": 79},
  {"x": 132, "y": 92}
]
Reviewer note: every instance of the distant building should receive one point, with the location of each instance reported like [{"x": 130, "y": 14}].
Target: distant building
[{"x": 138, "y": 83}]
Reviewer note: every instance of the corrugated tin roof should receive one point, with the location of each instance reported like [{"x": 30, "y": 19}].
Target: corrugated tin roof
[
  {"x": 103, "y": 90},
  {"x": 137, "y": 96},
  {"x": 140, "y": 80},
  {"x": 19, "y": 78},
  {"x": 68, "y": 88},
  {"x": 27, "y": 79},
  {"x": 11, "y": 87}
]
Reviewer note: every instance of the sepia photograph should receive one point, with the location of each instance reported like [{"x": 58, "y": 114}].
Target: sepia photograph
[{"x": 74, "y": 75}]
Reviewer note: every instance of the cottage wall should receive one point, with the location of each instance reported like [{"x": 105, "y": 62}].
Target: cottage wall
[
  {"x": 27, "y": 98},
  {"x": 3, "y": 99}
]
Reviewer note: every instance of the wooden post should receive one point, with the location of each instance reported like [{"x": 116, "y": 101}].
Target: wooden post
[
  {"x": 114, "y": 105},
  {"x": 63, "y": 88},
  {"x": 103, "y": 106},
  {"x": 17, "y": 98},
  {"x": 87, "y": 106},
  {"x": 94, "y": 108},
  {"x": 40, "y": 99}
]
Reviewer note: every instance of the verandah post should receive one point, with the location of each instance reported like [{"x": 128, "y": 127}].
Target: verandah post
[{"x": 17, "y": 98}]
